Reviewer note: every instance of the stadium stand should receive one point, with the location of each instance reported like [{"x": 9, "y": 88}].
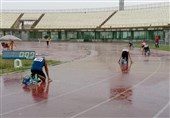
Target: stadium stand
[
  {"x": 159, "y": 16},
  {"x": 72, "y": 20},
  {"x": 8, "y": 19},
  {"x": 139, "y": 18},
  {"x": 101, "y": 25},
  {"x": 31, "y": 16}
]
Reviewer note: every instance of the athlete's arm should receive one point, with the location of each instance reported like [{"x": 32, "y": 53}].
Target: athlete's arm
[
  {"x": 130, "y": 57},
  {"x": 120, "y": 58},
  {"x": 46, "y": 69}
]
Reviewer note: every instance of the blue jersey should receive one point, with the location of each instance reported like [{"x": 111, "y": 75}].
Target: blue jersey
[{"x": 38, "y": 64}]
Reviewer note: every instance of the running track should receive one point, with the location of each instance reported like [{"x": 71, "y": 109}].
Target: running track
[{"x": 90, "y": 84}]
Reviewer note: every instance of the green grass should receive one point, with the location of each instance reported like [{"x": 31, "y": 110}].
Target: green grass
[
  {"x": 152, "y": 46},
  {"x": 7, "y": 65},
  {"x": 161, "y": 47}
]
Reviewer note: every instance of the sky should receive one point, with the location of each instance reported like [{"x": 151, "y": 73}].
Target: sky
[{"x": 67, "y": 4}]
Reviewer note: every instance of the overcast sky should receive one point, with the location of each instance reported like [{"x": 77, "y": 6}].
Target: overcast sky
[{"x": 68, "y": 4}]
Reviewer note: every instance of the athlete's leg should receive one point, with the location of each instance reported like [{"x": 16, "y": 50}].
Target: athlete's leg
[{"x": 41, "y": 75}]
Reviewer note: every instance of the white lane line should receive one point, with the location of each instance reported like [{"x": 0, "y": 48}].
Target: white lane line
[
  {"x": 95, "y": 106},
  {"x": 136, "y": 72},
  {"x": 67, "y": 93},
  {"x": 14, "y": 93},
  {"x": 166, "y": 106}
]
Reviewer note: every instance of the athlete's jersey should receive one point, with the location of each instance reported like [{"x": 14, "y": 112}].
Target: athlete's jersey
[
  {"x": 125, "y": 54},
  {"x": 47, "y": 39},
  {"x": 146, "y": 46},
  {"x": 143, "y": 44},
  {"x": 38, "y": 63},
  {"x": 125, "y": 50}
]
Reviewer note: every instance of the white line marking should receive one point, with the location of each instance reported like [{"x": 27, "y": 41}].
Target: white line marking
[
  {"x": 166, "y": 106},
  {"x": 91, "y": 108},
  {"x": 67, "y": 93},
  {"x": 136, "y": 72},
  {"x": 14, "y": 93}
]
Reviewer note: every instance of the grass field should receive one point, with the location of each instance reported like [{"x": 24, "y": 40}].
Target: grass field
[
  {"x": 7, "y": 65},
  {"x": 161, "y": 47},
  {"x": 152, "y": 46}
]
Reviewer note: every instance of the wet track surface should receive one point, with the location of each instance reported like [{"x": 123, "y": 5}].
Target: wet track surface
[{"x": 90, "y": 84}]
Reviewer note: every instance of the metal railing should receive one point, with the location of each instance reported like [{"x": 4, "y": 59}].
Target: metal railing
[{"x": 131, "y": 7}]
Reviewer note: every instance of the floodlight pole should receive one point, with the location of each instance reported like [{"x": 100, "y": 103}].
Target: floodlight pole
[{"x": 121, "y": 5}]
